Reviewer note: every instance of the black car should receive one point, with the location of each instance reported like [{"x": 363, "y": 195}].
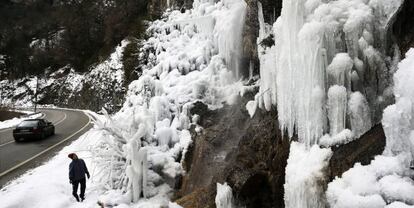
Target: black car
[{"x": 33, "y": 128}]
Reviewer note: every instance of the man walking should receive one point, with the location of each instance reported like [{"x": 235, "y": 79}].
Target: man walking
[{"x": 77, "y": 171}]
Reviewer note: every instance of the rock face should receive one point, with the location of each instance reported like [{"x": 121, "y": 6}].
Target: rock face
[
  {"x": 362, "y": 150},
  {"x": 250, "y": 154},
  {"x": 271, "y": 11},
  {"x": 250, "y": 34},
  {"x": 403, "y": 27}
]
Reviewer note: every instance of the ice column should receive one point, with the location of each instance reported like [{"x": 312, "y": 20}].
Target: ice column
[
  {"x": 359, "y": 114},
  {"x": 300, "y": 72},
  {"x": 224, "y": 197},
  {"x": 305, "y": 176},
  {"x": 136, "y": 170},
  {"x": 228, "y": 33},
  {"x": 337, "y": 104},
  {"x": 261, "y": 20}
]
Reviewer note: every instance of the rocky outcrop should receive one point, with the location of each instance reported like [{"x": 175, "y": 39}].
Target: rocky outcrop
[
  {"x": 403, "y": 27},
  {"x": 362, "y": 150},
  {"x": 249, "y": 154},
  {"x": 271, "y": 11},
  {"x": 200, "y": 198}
]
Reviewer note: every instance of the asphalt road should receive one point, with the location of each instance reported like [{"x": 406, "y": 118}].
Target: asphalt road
[{"x": 17, "y": 158}]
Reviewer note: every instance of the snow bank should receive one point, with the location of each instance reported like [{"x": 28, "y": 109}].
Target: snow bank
[
  {"x": 382, "y": 182},
  {"x": 305, "y": 176},
  {"x": 387, "y": 181},
  {"x": 15, "y": 121}
]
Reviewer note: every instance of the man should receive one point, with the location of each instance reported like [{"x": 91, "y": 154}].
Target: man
[{"x": 77, "y": 171}]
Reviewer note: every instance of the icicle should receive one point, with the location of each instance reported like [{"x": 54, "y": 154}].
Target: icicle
[
  {"x": 300, "y": 68},
  {"x": 224, "y": 197},
  {"x": 228, "y": 35},
  {"x": 360, "y": 115},
  {"x": 251, "y": 108},
  {"x": 337, "y": 103},
  {"x": 251, "y": 68},
  {"x": 261, "y": 20}
]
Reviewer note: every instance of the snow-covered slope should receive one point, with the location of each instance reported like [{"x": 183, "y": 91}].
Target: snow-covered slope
[
  {"x": 101, "y": 86},
  {"x": 192, "y": 56}
]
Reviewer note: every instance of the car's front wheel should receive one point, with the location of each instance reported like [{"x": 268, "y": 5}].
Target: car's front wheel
[{"x": 17, "y": 139}]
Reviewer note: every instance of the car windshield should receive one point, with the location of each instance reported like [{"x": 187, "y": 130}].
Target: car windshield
[{"x": 28, "y": 124}]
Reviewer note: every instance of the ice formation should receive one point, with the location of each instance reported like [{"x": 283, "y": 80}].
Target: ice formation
[
  {"x": 318, "y": 45},
  {"x": 359, "y": 114},
  {"x": 224, "y": 196},
  {"x": 387, "y": 180},
  {"x": 397, "y": 122},
  {"x": 337, "y": 103},
  {"x": 305, "y": 176},
  {"x": 191, "y": 56}
]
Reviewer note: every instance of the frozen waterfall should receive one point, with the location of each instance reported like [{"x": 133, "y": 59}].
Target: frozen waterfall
[
  {"x": 329, "y": 81},
  {"x": 225, "y": 27},
  {"x": 324, "y": 53}
]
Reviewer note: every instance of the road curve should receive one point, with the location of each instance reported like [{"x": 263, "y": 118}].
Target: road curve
[{"x": 17, "y": 158}]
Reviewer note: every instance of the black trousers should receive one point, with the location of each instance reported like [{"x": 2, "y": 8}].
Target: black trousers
[{"x": 75, "y": 185}]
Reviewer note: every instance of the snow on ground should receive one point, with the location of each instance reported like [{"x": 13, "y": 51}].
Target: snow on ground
[
  {"x": 388, "y": 179},
  {"x": 48, "y": 185},
  {"x": 15, "y": 121}
]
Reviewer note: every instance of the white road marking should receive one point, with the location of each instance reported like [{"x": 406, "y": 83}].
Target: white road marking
[
  {"x": 6, "y": 143},
  {"x": 64, "y": 117},
  {"x": 46, "y": 150}
]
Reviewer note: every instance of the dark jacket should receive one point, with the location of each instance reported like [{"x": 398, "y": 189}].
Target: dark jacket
[{"x": 77, "y": 170}]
